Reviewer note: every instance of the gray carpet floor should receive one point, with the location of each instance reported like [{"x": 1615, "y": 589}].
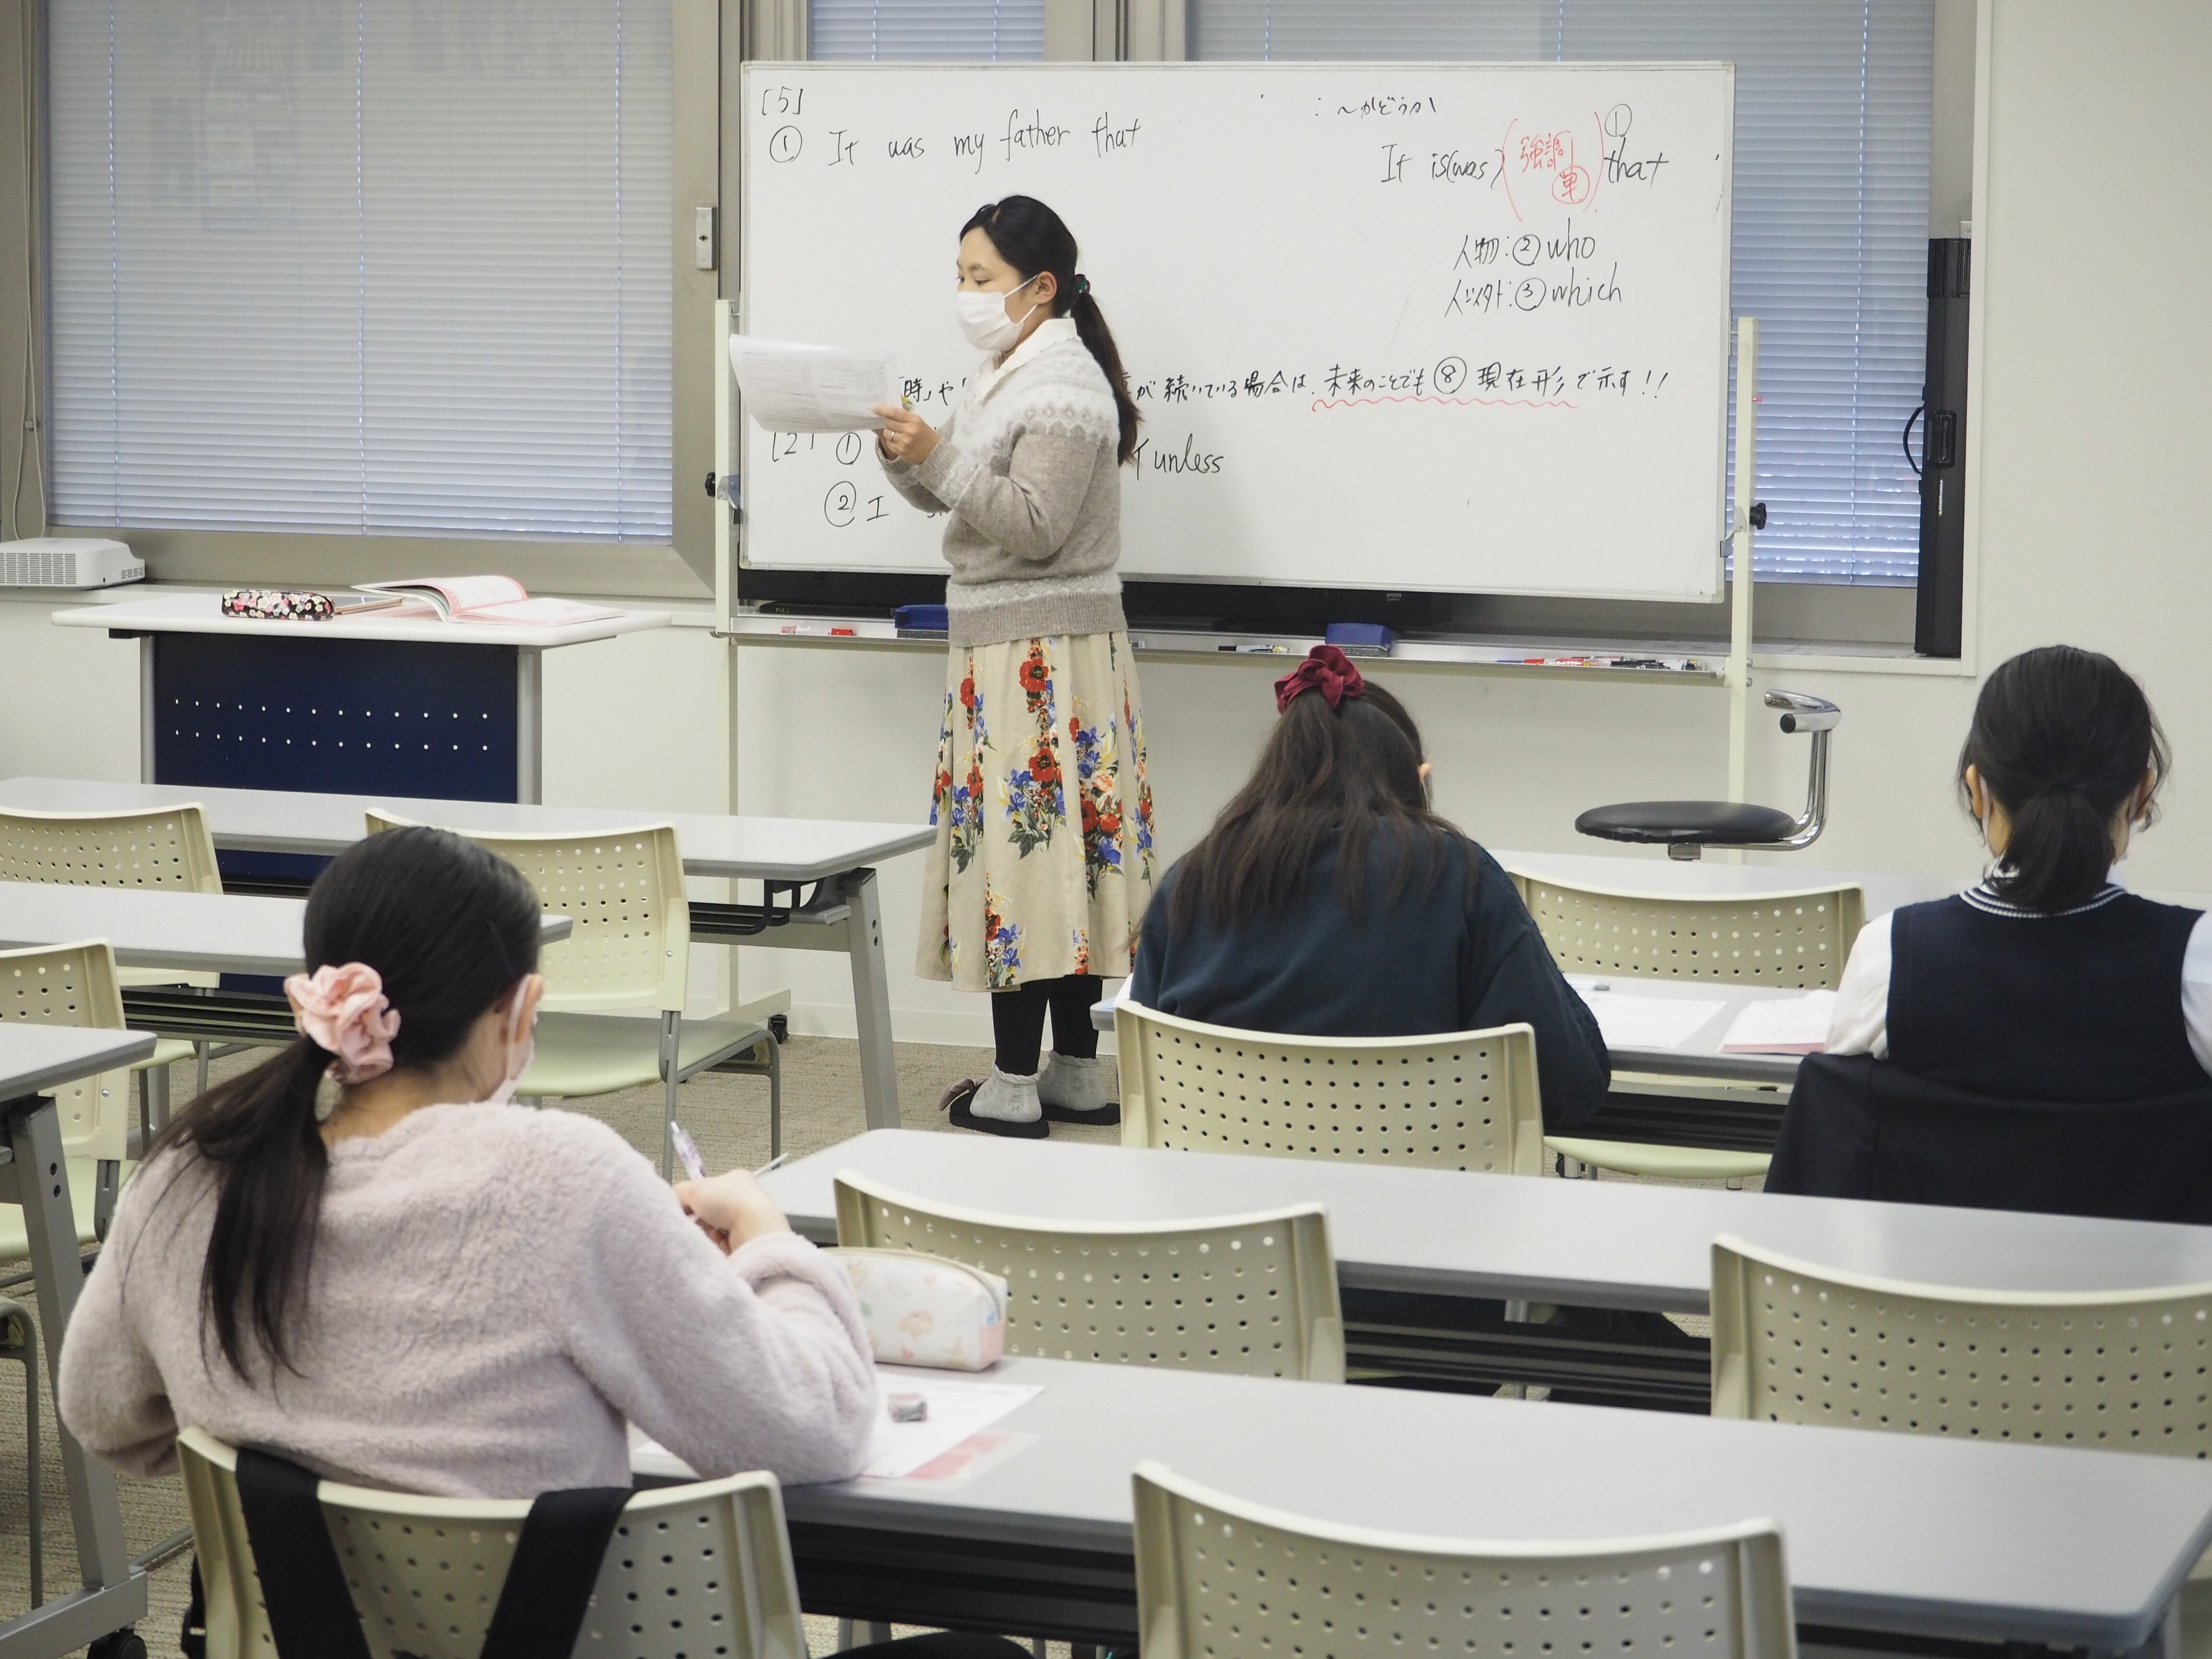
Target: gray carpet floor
[{"x": 728, "y": 1117}]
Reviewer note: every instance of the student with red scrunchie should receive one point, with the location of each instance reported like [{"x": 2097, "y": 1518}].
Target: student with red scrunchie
[{"x": 1330, "y": 900}]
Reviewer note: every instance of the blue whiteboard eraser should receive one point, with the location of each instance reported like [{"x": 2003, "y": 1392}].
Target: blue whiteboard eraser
[
  {"x": 922, "y": 622},
  {"x": 1361, "y": 639}
]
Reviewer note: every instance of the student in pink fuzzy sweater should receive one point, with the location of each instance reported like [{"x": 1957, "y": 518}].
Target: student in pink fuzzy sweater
[{"x": 470, "y": 1300}]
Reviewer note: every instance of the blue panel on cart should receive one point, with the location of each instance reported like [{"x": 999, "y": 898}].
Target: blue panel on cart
[{"x": 350, "y": 716}]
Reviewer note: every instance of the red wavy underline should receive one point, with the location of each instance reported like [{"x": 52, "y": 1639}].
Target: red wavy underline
[{"x": 1320, "y": 404}]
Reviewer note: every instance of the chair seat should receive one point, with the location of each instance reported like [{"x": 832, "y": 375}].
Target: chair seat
[
  {"x": 580, "y": 1055},
  {"x": 1706, "y": 823},
  {"x": 1637, "y": 1157},
  {"x": 167, "y": 1051},
  {"x": 142, "y": 976},
  {"x": 83, "y": 1179}
]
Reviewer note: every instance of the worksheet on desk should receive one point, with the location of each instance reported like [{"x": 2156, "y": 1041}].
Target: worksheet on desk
[
  {"x": 956, "y": 1410},
  {"x": 1627, "y": 1019}
]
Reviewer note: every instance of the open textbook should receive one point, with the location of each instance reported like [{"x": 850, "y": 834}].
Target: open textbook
[
  {"x": 812, "y": 388},
  {"x": 489, "y": 600}
]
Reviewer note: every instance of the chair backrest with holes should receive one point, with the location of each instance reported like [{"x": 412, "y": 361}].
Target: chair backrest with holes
[
  {"x": 1251, "y": 1295},
  {"x": 1798, "y": 940},
  {"x": 75, "y": 985},
  {"x": 630, "y": 946},
  {"x": 2115, "y": 1371},
  {"x": 700, "y": 1568},
  {"x": 1218, "y": 1575},
  {"x": 167, "y": 846},
  {"x": 1458, "y": 1100}
]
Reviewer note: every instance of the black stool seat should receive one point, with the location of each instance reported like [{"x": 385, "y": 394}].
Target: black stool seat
[{"x": 1699, "y": 823}]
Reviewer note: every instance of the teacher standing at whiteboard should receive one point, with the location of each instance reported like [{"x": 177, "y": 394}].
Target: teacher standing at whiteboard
[{"x": 1042, "y": 864}]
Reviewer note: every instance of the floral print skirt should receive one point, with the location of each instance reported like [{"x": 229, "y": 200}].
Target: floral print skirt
[{"x": 1042, "y": 864}]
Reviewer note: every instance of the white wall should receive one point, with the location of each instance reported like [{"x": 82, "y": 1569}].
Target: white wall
[{"x": 2091, "y": 498}]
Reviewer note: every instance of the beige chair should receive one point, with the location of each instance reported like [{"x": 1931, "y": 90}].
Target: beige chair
[
  {"x": 1798, "y": 940},
  {"x": 1219, "y": 1576},
  {"x": 168, "y": 847},
  {"x": 74, "y": 985},
  {"x": 2114, "y": 1371},
  {"x": 698, "y": 1568},
  {"x": 1466, "y": 1100},
  {"x": 1249, "y": 1295},
  {"x": 2106, "y": 1370},
  {"x": 629, "y": 947}
]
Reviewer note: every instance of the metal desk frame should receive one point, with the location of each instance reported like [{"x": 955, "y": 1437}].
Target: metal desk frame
[{"x": 113, "y": 1595}]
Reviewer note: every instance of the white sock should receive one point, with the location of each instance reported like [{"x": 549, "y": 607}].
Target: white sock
[
  {"x": 1075, "y": 1085},
  {"x": 1008, "y": 1099}
]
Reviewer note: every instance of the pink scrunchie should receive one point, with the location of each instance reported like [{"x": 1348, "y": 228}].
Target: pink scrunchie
[
  {"x": 1326, "y": 669},
  {"x": 344, "y": 1011}
]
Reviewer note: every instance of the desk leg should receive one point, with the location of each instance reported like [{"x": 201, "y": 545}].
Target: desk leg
[
  {"x": 529, "y": 725},
  {"x": 872, "y": 1000},
  {"x": 42, "y": 1188},
  {"x": 146, "y": 713}
]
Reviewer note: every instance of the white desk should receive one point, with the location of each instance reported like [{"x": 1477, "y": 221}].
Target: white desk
[
  {"x": 200, "y": 611},
  {"x": 1424, "y": 1256},
  {"x": 844, "y": 913},
  {"x": 1934, "y": 1537},
  {"x": 155, "y": 927},
  {"x": 228, "y": 708},
  {"x": 1616, "y": 1244},
  {"x": 113, "y": 1595}
]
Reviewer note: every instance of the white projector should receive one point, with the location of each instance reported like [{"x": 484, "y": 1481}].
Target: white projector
[{"x": 60, "y": 562}]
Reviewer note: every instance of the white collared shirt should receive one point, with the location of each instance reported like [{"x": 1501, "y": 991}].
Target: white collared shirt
[
  {"x": 1050, "y": 332},
  {"x": 1860, "y": 1023}
]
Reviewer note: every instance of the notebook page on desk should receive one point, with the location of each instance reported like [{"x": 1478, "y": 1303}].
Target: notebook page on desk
[
  {"x": 1786, "y": 1025},
  {"x": 1628, "y": 1020}
]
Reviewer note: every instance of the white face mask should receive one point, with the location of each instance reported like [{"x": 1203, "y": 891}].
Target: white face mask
[
  {"x": 517, "y": 1064},
  {"x": 983, "y": 318}
]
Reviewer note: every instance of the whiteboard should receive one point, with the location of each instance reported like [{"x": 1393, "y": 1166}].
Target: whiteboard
[{"x": 1456, "y": 327}]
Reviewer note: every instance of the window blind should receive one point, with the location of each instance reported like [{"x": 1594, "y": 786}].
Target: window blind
[
  {"x": 1831, "y": 215},
  {"x": 994, "y": 31},
  {"x": 385, "y": 267}
]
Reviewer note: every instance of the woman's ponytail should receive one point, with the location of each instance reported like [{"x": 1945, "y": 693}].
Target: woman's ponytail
[
  {"x": 450, "y": 928},
  {"x": 1031, "y": 237},
  {"x": 1082, "y": 305},
  {"x": 2063, "y": 739},
  {"x": 260, "y": 1131}
]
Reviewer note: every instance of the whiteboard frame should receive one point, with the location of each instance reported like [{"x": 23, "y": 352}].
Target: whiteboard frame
[{"x": 732, "y": 456}]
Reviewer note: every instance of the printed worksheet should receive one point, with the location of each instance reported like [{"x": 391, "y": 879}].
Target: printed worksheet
[{"x": 789, "y": 387}]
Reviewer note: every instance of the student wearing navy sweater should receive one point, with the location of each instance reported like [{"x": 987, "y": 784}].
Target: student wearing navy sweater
[
  {"x": 2046, "y": 981},
  {"x": 1328, "y": 899}
]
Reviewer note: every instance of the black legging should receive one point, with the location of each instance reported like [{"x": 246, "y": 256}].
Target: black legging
[{"x": 1018, "y": 1022}]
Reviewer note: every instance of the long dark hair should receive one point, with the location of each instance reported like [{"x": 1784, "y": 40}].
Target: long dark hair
[
  {"x": 451, "y": 927},
  {"x": 1341, "y": 775},
  {"x": 1030, "y": 237},
  {"x": 2062, "y": 739}
]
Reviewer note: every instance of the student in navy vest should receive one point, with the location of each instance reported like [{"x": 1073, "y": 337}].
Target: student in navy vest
[
  {"x": 1330, "y": 900},
  {"x": 2046, "y": 982}
]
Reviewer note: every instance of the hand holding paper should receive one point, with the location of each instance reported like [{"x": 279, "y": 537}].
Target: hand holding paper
[{"x": 810, "y": 388}]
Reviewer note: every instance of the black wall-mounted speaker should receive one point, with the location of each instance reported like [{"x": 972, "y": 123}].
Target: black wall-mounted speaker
[{"x": 1939, "y": 613}]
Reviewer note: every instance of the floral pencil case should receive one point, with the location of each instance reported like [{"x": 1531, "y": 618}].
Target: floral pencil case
[
  {"x": 276, "y": 604},
  {"x": 927, "y": 1309}
]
